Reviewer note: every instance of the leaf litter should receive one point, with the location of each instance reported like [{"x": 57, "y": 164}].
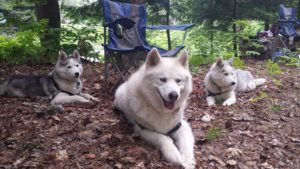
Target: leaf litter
[{"x": 253, "y": 135}]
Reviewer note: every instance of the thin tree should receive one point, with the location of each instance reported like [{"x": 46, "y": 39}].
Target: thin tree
[
  {"x": 50, "y": 11},
  {"x": 234, "y": 27}
]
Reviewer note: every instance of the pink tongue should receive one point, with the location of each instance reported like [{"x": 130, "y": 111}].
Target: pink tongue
[{"x": 169, "y": 105}]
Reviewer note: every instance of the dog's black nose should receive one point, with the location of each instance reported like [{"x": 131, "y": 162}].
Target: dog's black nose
[
  {"x": 76, "y": 74},
  {"x": 173, "y": 96},
  {"x": 232, "y": 83}
]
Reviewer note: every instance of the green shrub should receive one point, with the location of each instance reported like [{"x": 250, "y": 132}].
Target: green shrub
[
  {"x": 23, "y": 47},
  {"x": 289, "y": 61},
  {"x": 81, "y": 38}
]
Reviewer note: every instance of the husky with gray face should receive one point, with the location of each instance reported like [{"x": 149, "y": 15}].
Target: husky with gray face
[
  {"x": 154, "y": 99},
  {"x": 62, "y": 85},
  {"x": 223, "y": 80}
]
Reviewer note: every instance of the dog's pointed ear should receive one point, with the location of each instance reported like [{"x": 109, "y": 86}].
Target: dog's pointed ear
[
  {"x": 153, "y": 58},
  {"x": 220, "y": 62},
  {"x": 231, "y": 61},
  {"x": 62, "y": 55},
  {"x": 183, "y": 59},
  {"x": 76, "y": 54}
]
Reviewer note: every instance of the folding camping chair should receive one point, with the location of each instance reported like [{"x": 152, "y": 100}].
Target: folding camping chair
[
  {"x": 286, "y": 32},
  {"x": 126, "y": 25},
  {"x": 288, "y": 23}
]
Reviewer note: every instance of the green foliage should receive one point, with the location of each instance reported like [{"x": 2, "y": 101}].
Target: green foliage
[
  {"x": 206, "y": 46},
  {"x": 21, "y": 48},
  {"x": 251, "y": 53},
  {"x": 276, "y": 108},
  {"x": 277, "y": 82},
  {"x": 273, "y": 68},
  {"x": 239, "y": 63},
  {"x": 261, "y": 96},
  {"x": 289, "y": 61},
  {"x": 80, "y": 37},
  {"x": 212, "y": 133},
  {"x": 248, "y": 28},
  {"x": 88, "y": 13}
]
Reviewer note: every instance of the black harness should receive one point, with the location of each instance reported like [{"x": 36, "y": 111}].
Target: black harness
[
  {"x": 175, "y": 128},
  {"x": 57, "y": 86}
]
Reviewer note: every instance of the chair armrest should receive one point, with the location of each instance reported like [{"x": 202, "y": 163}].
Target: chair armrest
[
  {"x": 171, "y": 27},
  {"x": 126, "y": 23},
  {"x": 288, "y": 21}
]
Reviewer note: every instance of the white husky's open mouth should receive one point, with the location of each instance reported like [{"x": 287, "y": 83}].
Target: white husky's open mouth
[{"x": 169, "y": 105}]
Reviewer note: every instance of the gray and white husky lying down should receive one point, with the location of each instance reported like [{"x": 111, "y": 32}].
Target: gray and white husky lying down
[
  {"x": 223, "y": 80},
  {"x": 62, "y": 85}
]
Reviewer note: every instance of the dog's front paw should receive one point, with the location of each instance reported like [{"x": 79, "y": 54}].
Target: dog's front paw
[
  {"x": 94, "y": 99},
  {"x": 188, "y": 162},
  {"x": 229, "y": 102},
  {"x": 171, "y": 154},
  {"x": 210, "y": 101}
]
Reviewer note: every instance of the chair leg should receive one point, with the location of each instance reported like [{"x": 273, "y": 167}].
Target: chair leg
[{"x": 105, "y": 70}]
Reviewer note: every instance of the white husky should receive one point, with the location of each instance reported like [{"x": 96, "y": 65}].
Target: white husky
[
  {"x": 223, "y": 80},
  {"x": 154, "y": 99}
]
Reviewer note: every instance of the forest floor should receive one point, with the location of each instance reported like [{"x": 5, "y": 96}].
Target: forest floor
[{"x": 261, "y": 131}]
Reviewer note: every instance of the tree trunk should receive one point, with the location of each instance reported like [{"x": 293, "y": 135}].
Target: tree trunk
[
  {"x": 50, "y": 39},
  {"x": 267, "y": 24},
  {"x": 168, "y": 23},
  {"x": 234, "y": 28},
  {"x": 211, "y": 39},
  {"x": 298, "y": 9}
]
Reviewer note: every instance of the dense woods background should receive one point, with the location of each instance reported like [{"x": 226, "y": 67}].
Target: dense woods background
[{"x": 34, "y": 30}]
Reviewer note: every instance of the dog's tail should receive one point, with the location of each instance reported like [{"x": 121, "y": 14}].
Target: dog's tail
[
  {"x": 259, "y": 81},
  {"x": 3, "y": 89}
]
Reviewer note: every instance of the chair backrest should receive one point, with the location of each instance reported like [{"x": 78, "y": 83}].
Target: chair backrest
[
  {"x": 132, "y": 37},
  {"x": 286, "y": 13}
]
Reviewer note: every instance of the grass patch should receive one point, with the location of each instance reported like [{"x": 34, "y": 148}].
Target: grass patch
[
  {"x": 277, "y": 82},
  {"x": 239, "y": 63},
  {"x": 212, "y": 133},
  {"x": 261, "y": 96},
  {"x": 276, "y": 108},
  {"x": 273, "y": 68},
  {"x": 289, "y": 61}
]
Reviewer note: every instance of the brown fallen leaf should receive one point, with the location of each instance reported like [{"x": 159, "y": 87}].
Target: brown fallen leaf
[
  {"x": 294, "y": 139},
  {"x": 90, "y": 156},
  {"x": 233, "y": 152},
  {"x": 231, "y": 162},
  {"x": 214, "y": 158},
  {"x": 61, "y": 155}
]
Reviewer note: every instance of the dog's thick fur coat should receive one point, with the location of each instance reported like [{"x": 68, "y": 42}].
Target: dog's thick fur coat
[
  {"x": 62, "y": 85},
  {"x": 154, "y": 99},
  {"x": 223, "y": 80}
]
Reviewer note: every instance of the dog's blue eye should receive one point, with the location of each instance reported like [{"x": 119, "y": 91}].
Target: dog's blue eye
[
  {"x": 163, "y": 79},
  {"x": 69, "y": 67},
  {"x": 178, "y": 80}
]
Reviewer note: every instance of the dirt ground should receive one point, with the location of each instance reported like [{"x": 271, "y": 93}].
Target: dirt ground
[{"x": 261, "y": 131}]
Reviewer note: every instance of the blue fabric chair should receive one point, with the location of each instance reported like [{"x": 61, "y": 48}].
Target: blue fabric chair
[
  {"x": 126, "y": 24},
  {"x": 287, "y": 21}
]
